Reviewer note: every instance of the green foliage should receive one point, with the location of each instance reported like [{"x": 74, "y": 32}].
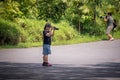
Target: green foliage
[
  {"x": 68, "y": 15},
  {"x": 84, "y": 14},
  {"x": 93, "y": 29},
  {"x": 29, "y": 31},
  {"x": 28, "y": 8},
  {"x": 51, "y": 9},
  {"x": 33, "y": 30},
  {"x": 65, "y": 32},
  {"x": 10, "y": 9},
  {"x": 9, "y": 33}
]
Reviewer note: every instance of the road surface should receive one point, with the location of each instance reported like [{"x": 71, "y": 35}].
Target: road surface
[{"x": 86, "y": 61}]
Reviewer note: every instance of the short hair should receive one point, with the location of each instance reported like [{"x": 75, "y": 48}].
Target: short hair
[
  {"x": 109, "y": 13},
  {"x": 47, "y": 25}
]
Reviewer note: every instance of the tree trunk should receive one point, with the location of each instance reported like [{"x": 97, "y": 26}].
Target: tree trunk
[
  {"x": 79, "y": 26},
  {"x": 94, "y": 15}
]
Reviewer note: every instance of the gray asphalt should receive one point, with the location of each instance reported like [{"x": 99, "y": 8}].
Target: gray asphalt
[{"x": 86, "y": 61}]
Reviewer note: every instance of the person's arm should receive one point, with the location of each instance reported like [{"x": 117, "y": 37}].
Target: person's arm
[
  {"x": 50, "y": 33},
  {"x": 105, "y": 19}
]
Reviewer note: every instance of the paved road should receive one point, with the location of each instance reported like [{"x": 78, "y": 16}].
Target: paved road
[{"x": 85, "y": 61}]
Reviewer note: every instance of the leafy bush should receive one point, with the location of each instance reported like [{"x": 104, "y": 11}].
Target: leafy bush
[
  {"x": 93, "y": 29},
  {"x": 65, "y": 32},
  {"x": 9, "y": 33},
  {"x": 33, "y": 30}
]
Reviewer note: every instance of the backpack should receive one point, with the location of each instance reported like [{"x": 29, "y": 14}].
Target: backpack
[{"x": 114, "y": 24}]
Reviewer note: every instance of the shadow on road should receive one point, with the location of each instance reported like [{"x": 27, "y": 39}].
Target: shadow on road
[{"x": 34, "y": 71}]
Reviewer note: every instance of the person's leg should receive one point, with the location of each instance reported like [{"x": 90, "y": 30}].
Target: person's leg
[
  {"x": 45, "y": 61},
  {"x": 46, "y": 52},
  {"x": 45, "y": 58},
  {"x": 110, "y": 37}
]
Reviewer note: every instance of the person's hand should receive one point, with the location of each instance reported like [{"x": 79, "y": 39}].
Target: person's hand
[{"x": 52, "y": 28}]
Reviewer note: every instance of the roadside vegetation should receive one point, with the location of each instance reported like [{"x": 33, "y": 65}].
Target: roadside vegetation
[{"x": 22, "y": 22}]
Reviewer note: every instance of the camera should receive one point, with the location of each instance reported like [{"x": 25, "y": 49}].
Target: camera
[
  {"x": 55, "y": 28},
  {"x": 103, "y": 16}
]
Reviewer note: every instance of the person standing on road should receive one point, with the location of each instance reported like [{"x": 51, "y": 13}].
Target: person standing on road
[
  {"x": 47, "y": 34},
  {"x": 110, "y": 21}
]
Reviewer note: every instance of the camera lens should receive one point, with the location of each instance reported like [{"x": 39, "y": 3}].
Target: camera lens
[{"x": 56, "y": 28}]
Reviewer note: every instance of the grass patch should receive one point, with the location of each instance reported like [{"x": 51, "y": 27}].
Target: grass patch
[
  {"x": 23, "y": 45},
  {"x": 78, "y": 39},
  {"x": 31, "y": 34}
]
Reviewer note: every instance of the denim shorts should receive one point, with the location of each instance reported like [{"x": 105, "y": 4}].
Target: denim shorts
[{"x": 46, "y": 49}]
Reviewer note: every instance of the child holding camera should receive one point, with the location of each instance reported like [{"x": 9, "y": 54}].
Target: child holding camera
[{"x": 47, "y": 34}]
